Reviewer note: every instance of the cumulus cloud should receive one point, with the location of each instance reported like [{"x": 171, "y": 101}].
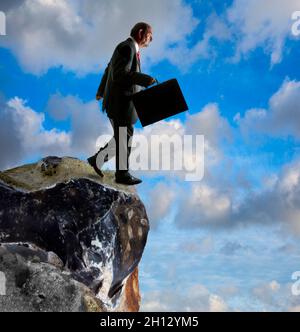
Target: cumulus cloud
[
  {"x": 90, "y": 129},
  {"x": 213, "y": 207},
  {"x": 204, "y": 206},
  {"x": 160, "y": 201},
  {"x": 216, "y": 131},
  {"x": 211, "y": 202},
  {"x": 219, "y": 200},
  {"x": 282, "y": 118},
  {"x": 273, "y": 296},
  {"x": 265, "y": 24},
  {"x": 23, "y": 134},
  {"x": 267, "y": 294},
  {"x": 184, "y": 55},
  {"x": 215, "y": 128},
  {"x": 81, "y": 35},
  {"x": 195, "y": 144},
  {"x": 86, "y": 120},
  {"x": 196, "y": 299},
  {"x": 163, "y": 140}
]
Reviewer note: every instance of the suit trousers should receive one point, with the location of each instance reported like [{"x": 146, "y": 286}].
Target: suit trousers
[{"x": 119, "y": 146}]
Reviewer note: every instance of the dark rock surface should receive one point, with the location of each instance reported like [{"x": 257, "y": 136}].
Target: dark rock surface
[{"x": 49, "y": 165}]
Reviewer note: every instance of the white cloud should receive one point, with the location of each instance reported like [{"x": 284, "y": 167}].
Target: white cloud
[
  {"x": 86, "y": 120},
  {"x": 265, "y": 24},
  {"x": 281, "y": 204},
  {"x": 267, "y": 292},
  {"x": 31, "y": 131},
  {"x": 212, "y": 202},
  {"x": 208, "y": 123},
  {"x": 81, "y": 35},
  {"x": 87, "y": 123},
  {"x": 285, "y": 109},
  {"x": 215, "y": 128},
  {"x": 159, "y": 203},
  {"x": 213, "y": 206},
  {"x": 196, "y": 299},
  {"x": 273, "y": 296},
  {"x": 219, "y": 200},
  {"x": 204, "y": 206},
  {"x": 184, "y": 55},
  {"x": 23, "y": 133},
  {"x": 143, "y": 144},
  {"x": 282, "y": 118},
  {"x": 217, "y": 304}
]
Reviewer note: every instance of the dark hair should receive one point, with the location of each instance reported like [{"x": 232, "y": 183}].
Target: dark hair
[{"x": 140, "y": 26}]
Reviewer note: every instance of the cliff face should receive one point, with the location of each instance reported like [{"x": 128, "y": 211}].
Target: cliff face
[{"x": 69, "y": 240}]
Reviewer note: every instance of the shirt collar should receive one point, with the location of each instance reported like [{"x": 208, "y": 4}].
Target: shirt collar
[{"x": 135, "y": 44}]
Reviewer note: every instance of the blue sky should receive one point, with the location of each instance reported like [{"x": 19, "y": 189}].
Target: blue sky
[{"x": 230, "y": 241}]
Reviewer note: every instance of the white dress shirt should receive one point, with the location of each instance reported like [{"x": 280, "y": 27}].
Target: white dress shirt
[{"x": 136, "y": 45}]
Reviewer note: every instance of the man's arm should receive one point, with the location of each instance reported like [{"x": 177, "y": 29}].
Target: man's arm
[
  {"x": 102, "y": 85},
  {"x": 121, "y": 70}
]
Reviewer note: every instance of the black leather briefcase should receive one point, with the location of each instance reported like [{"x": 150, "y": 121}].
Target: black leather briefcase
[{"x": 159, "y": 102}]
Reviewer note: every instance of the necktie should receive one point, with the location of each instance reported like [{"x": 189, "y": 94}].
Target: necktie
[{"x": 139, "y": 56}]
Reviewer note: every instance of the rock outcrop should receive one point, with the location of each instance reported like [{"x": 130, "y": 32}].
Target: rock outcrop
[{"x": 69, "y": 240}]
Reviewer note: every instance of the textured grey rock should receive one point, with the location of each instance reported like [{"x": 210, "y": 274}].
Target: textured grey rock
[{"x": 33, "y": 285}]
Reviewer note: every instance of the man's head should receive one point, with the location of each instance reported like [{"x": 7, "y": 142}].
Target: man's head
[{"x": 142, "y": 33}]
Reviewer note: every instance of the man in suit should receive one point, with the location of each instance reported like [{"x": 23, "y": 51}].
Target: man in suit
[{"x": 121, "y": 79}]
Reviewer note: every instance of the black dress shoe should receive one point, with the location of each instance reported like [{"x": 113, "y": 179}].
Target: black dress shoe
[
  {"x": 127, "y": 179},
  {"x": 92, "y": 162}
]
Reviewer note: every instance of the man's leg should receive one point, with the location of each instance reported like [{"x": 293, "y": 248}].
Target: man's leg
[
  {"x": 120, "y": 146},
  {"x": 108, "y": 151},
  {"x": 123, "y": 136},
  {"x": 103, "y": 155}
]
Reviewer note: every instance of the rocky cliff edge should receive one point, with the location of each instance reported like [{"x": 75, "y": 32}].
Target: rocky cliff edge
[{"x": 69, "y": 240}]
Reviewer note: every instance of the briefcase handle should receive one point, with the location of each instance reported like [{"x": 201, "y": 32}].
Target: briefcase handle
[{"x": 150, "y": 86}]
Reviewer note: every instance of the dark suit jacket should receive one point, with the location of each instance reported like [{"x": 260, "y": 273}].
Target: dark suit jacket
[{"x": 121, "y": 79}]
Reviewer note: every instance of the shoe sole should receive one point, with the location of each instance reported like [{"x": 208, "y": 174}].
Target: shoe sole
[{"x": 128, "y": 183}]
